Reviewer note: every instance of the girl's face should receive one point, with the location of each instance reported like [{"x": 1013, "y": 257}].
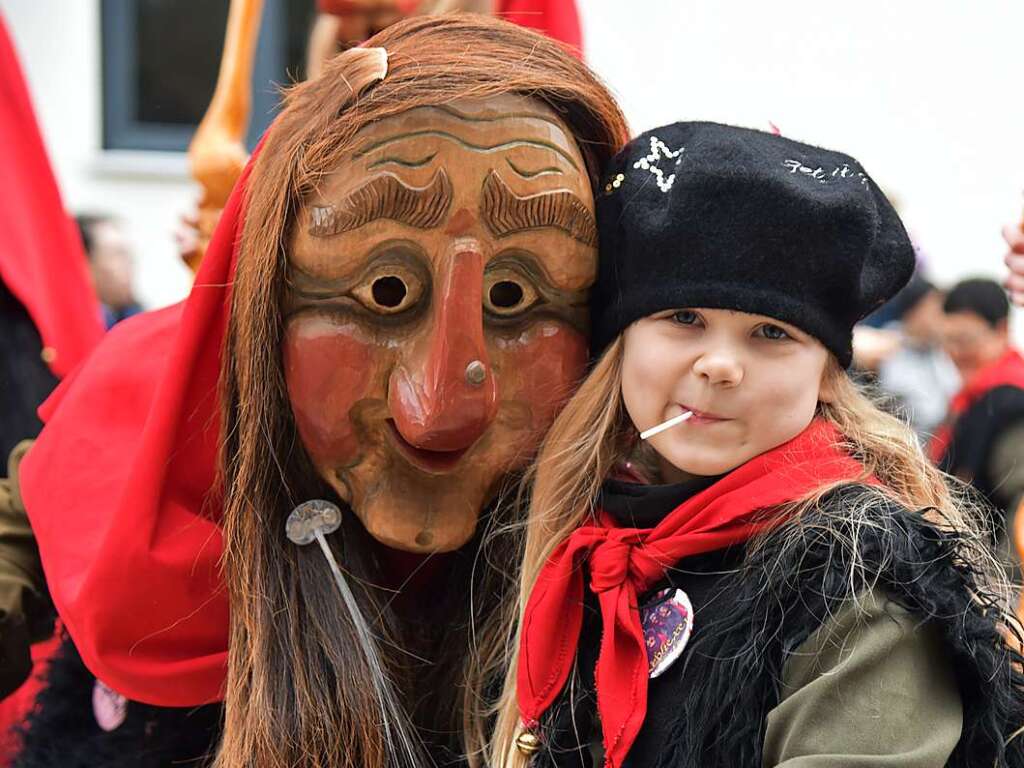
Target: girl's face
[{"x": 752, "y": 383}]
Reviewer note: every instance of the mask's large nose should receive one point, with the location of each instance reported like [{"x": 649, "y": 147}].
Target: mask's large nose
[{"x": 443, "y": 395}]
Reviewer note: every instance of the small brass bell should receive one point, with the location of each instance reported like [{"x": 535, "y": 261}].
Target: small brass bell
[{"x": 527, "y": 743}]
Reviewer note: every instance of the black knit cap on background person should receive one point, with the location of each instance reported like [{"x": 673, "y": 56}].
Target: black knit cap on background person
[{"x": 702, "y": 215}]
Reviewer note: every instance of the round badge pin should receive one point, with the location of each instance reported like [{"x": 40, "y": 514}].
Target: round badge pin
[{"x": 667, "y": 621}]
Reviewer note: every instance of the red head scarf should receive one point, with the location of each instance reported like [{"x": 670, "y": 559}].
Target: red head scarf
[
  {"x": 129, "y": 534},
  {"x": 41, "y": 256},
  {"x": 625, "y": 562}
]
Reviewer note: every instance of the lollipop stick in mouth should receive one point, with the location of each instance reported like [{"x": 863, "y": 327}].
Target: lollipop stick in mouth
[{"x": 666, "y": 425}]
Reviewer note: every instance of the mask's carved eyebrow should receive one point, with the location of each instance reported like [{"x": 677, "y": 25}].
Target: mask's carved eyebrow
[
  {"x": 401, "y": 162},
  {"x": 506, "y": 213},
  {"x": 385, "y": 197},
  {"x": 522, "y": 172}
]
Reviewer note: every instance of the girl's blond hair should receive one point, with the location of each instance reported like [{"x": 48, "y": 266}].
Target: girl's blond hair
[{"x": 592, "y": 434}]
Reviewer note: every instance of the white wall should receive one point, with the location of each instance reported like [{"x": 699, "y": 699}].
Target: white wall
[{"x": 923, "y": 93}]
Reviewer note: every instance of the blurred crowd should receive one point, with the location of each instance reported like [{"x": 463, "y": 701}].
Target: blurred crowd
[{"x": 942, "y": 357}]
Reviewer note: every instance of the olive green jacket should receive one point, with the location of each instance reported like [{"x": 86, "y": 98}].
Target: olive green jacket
[{"x": 872, "y": 687}]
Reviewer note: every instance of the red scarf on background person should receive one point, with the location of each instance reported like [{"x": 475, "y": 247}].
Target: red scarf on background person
[
  {"x": 121, "y": 492},
  {"x": 1008, "y": 370},
  {"x": 625, "y": 562}
]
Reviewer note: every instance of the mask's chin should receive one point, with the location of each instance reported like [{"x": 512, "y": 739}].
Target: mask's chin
[{"x": 419, "y": 519}]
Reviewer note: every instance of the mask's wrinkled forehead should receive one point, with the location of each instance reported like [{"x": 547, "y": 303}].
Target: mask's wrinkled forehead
[
  {"x": 483, "y": 129},
  {"x": 505, "y": 172},
  {"x": 528, "y": 172}
]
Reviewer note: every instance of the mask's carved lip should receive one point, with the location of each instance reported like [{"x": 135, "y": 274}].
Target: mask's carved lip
[{"x": 431, "y": 462}]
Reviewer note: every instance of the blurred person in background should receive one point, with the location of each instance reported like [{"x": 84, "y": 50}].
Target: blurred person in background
[
  {"x": 918, "y": 373},
  {"x": 898, "y": 347},
  {"x": 25, "y": 378},
  {"x": 342, "y": 24},
  {"x": 982, "y": 439},
  {"x": 112, "y": 265}
]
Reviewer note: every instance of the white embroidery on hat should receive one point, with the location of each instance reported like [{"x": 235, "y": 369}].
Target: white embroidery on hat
[
  {"x": 846, "y": 172},
  {"x": 822, "y": 176},
  {"x": 649, "y": 162}
]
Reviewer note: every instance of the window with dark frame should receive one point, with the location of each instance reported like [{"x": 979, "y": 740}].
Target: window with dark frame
[{"x": 160, "y": 61}]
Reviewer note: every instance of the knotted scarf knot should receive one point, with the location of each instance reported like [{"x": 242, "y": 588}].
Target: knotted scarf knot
[{"x": 610, "y": 560}]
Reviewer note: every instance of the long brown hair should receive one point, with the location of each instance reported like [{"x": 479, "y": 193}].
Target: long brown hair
[
  {"x": 592, "y": 434},
  {"x": 297, "y": 692}
]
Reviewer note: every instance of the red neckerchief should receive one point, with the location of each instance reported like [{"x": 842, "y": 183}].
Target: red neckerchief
[
  {"x": 625, "y": 562},
  {"x": 1008, "y": 370}
]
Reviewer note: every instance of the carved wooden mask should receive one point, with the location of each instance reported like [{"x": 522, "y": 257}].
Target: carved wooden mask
[{"x": 436, "y": 314}]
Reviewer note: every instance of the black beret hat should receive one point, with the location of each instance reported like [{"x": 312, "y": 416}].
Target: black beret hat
[{"x": 707, "y": 215}]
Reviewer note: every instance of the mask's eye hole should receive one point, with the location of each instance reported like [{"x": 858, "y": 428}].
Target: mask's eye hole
[
  {"x": 508, "y": 293},
  {"x": 389, "y": 290}
]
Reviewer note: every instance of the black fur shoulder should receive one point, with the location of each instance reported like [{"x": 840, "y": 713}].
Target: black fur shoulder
[
  {"x": 62, "y": 728},
  {"x": 799, "y": 575}
]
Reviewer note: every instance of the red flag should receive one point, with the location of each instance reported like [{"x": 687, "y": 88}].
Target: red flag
[{"x": 41, "y": 256}]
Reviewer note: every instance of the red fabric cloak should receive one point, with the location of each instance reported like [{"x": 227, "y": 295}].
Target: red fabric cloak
[
  {"x": 41, "y": 257},
  {"x": 121, "y": 492}
]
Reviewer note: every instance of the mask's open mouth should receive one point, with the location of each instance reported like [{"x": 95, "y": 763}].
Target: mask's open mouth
[{"x": 431, "y": 462}]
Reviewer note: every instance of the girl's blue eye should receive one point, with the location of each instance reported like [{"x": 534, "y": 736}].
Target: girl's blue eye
[
  {"x": 773, "y": 332},
  {"x": 685, "y": 317}
]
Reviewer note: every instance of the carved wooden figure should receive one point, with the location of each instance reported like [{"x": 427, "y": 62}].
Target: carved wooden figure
[{"x": 217, "y": 152}]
